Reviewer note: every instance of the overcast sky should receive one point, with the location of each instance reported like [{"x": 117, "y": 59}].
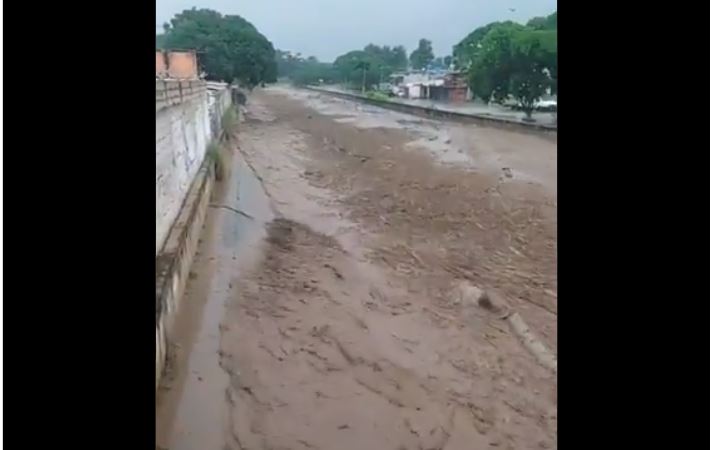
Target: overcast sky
[{"x": 328, "y": 28}]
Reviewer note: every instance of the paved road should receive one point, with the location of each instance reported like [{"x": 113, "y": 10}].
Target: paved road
[{"x": 475, "y": 107}]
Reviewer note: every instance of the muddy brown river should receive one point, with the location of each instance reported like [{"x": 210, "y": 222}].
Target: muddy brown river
[{"x": 328, "y": 317}]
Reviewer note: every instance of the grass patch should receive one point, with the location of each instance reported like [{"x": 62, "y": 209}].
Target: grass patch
[
  {"x": 379, "y": 96},
  {"x": 220, "y": 159},
  {"x": 218, "y": 150}
]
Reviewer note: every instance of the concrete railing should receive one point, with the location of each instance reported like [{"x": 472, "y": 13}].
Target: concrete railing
[
  {"x": 424, "y": 111},
  {"x": 173, "y": 92}
]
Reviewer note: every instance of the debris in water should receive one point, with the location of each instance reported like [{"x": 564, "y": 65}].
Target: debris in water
[
  {"x": 485, "y": 302},
  {"x": 233, "y": 210}
]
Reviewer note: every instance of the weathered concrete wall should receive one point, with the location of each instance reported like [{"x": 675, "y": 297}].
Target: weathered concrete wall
[
  {"x": 182, "y": 135},
  {"x": 171, "y": 92},
  {"x": 173, "y": 263},
  {"x": 184, "y": 181},
  {"x": 188, "y": 117},
  {"x": 219, "y": 100}
]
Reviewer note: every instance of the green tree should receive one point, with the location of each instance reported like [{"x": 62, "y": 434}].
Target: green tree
[
  {"x": 356, "y": 68},
  {"x": 366, "y": 68},
  {"x": 467, "y": 49},
  {"x": 514, "y": 60},
  {"x": 531, "y": 72},
  {"x": 422, "y": 55},
  {"x": 391, "y": 59},
  {"x": 302, "y": 71},
  {"x": 314, "y": 72},
  {"x": 490, "y": 64},
  {"x": 448, "y": 61},
  {"x": 160, "y": 41},
  {"x": 229, "y": 47},
  {"x": 397, "y": 58},
  {"x": 288, "y": 63},
  {"x": 549, "y": 22},
  {"x": 363, "y": 66},
  {"x": 548, "y": 42},
  {"x": 548, "y": 39},
  {"x": 370, "y": 66}
]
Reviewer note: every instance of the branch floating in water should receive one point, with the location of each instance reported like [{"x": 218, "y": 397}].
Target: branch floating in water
[{"x": 233, "y": 210}]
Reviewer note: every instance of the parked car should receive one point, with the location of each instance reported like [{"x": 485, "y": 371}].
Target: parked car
[
  {"x": 547, "y": 105},
  {"x": 542, "y": 105}
]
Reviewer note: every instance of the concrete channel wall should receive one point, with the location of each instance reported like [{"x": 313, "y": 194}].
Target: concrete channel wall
[
  {"x": 187, "y": 118},
  {"x": 188, "y": 115},
  {"x": 424, "y": 111},
  {"x": 173, "y": 263},
  {"x": 182, "y": 135}
]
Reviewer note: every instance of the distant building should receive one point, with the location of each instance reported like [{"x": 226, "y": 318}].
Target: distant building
[
  {"x": 454, "y": 89},
  {"x": 441, "y": 86}
]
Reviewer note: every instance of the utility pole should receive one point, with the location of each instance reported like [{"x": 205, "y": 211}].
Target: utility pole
[{"x": 363, "y": 86}]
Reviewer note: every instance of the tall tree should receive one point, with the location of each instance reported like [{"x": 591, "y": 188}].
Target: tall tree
[
  {"x": 422, "y": 55},
  {"x": 314, "y": 72},
  {"x": 229, "y": 47},
  {"x": 392, "y": 59},
  {"x": 359, "y": 68},
  {"x": 370, "y": 66},
  {"x": 304, "y": 71},
  {"x": 467, "y": 49},
  {"x": 548, "y": 40},
  {"x": 549, "y": 22},
  {"x": 531, "y": 74},
  {"x": 514, "y": 60},
  {"x": 490, "y": 62},
  {"x": 287, "y": 62},
  {"x": 160, "y": 41},
  {"x": 398, "y": 58}
]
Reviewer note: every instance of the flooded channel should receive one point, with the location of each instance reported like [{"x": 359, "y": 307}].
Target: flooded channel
[
  {"x": 190, "y": 405},
  {"x": 341, "y": 329}
]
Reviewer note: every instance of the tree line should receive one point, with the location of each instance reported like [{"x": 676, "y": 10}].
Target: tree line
[
  {"x": 500, "y": 59},
  {"x": 359, "y": 68}
]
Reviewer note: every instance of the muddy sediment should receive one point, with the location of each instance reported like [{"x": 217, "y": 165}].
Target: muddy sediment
[{"x": 341, "y": 331}]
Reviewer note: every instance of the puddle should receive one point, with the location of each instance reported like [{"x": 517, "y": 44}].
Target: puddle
[{"x": 192, "y": 414}]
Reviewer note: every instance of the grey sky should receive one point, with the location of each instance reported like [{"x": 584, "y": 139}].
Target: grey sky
[{"x": 328, "y": 28}]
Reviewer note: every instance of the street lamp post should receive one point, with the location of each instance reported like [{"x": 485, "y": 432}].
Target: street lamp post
[{"x": 362, "y": 90}]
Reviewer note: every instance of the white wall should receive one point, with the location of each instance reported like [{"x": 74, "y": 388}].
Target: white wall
[
  {"x": 414, "y": 91},
  {"x": 219, "y": 99},
  {"x": 182, "y": 135},
  {"x": 183, "y": 131}
]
